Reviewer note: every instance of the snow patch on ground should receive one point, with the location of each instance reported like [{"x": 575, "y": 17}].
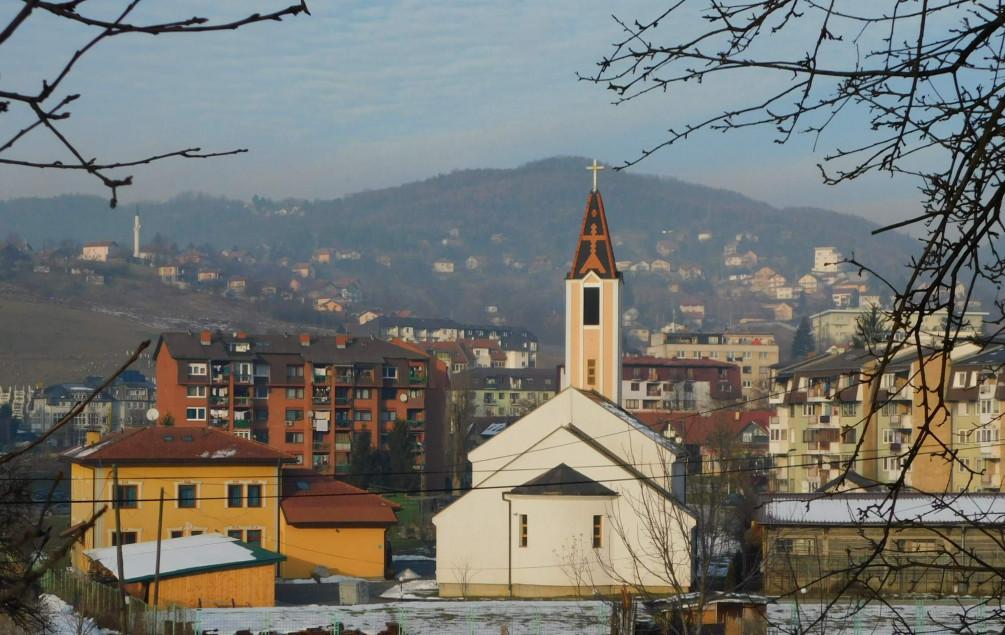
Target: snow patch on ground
[
  {"x": 63, "y": 620},
  {"x": 439, "y": 617},
  {"x": 412, "y": 590},
  {"x": 331, "y": 579}
]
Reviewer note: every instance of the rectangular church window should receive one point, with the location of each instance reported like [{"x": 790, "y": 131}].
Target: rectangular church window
[
  {"x": 591, "y": 372},
  {"x": 598, "y": 535},
  {"x": 523, "y": 530},
  {"x": 591, "y": 306}
]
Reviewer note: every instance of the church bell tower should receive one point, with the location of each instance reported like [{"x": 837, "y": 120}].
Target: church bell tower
[{"x": 593, "y": 306}]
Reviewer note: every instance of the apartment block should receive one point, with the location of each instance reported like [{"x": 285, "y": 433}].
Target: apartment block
[
  {"x": 504, "y": 391},
  {"x": 754, "y": 353},
  {"x": 825, "y": 411},
  {"x": 654, "y": 383},
  {"x": 836, "y": 327},
  {"x": 305, "y": 395}
]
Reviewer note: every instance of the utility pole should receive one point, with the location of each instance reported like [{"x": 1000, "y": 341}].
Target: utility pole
[
  {"x": 117, "y": 503},
  {"x": 157, "y": 564}
]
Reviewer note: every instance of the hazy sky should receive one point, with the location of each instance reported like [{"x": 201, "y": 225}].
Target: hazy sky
[{"x": 369, "y": 94}]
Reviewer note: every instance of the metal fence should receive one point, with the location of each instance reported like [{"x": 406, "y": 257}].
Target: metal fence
[{"x": 103, "y": 604}]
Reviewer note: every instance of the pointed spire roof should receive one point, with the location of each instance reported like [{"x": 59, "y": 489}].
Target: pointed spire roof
[{"x": 594, "y": 251}]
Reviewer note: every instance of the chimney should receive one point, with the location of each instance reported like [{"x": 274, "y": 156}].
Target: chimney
[
  {"x": 205, "y": 338},
  {"x": 241, "y": 335},
  {"x": 736, "y": 416},
  {"x": 341, "y": 341},
  {"x": 91, "y": 437},
  {"x": 305, "y": 339}
]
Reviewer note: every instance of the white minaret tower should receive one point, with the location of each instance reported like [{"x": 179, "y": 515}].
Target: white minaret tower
[
  {"x": 593, "y": 306},
  {"x": 136, "y": 236}
]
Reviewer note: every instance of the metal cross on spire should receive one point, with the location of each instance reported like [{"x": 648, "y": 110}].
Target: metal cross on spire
[{"x": 596, "y": 167}]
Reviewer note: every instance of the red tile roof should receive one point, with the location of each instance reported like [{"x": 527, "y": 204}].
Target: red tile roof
[
  {"x": 696, "y": 428},
  {"x": 189, "y": 445},
  {"x": 312, "y": 499}
]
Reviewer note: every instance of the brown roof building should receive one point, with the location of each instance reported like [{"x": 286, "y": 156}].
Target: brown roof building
[{"x": 305, "y": 395}]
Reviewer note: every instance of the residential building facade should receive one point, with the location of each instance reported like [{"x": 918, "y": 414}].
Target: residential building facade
[
  {"x": 212, "y": 482},
  {"x": 833, "y": 406},
  {"x": 653, "y": 383},
  {"x": 502, "y": 392},
  {"x": 308, "y": 396},
  {"x": 754, "y": 353},
  {"x": 836, "y": 327}
]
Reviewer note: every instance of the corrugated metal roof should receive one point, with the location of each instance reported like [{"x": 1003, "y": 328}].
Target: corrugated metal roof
[{"x": 879, "y": 509}]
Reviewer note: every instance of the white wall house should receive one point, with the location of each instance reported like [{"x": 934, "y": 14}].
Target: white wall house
[{"x": 558, "y": 508}]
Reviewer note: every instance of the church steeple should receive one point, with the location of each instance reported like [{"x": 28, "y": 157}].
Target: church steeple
[
  {"x": 594, "y": 251},
  {"x": 593, "y": 305}
]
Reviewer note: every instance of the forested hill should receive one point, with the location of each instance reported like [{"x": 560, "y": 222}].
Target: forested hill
[{"x": 528, "y": 215}]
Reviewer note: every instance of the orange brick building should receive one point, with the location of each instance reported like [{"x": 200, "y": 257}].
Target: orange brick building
[{"x": 306, "y": 395}]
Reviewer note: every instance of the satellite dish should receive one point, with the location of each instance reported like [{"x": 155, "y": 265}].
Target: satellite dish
[
  {"x": 152, "y": 415},
  {"x": 403, "y": 397}
]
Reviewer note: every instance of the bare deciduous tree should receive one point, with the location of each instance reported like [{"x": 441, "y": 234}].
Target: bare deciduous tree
[
  {"x": 46, "y": 107},
  {"x": 913, "y": 90}
]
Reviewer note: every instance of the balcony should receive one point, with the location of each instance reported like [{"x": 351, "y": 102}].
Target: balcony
[
  {"x": 244, "y": 378},
  {"x": 343, "y": 447},
  {"x": 343, "y": 378},
  {"x": 415, "y": 423},
  {"x": 416, "y": 379},
  {"x": 343, "y": 424},
  {"x": 219, "y": 400},
  {"x": 321, "y": 425},
  {"x": 322, "y": 446},
  {"x": 818, "y": 446},
  {"x": 242, "y": 424},
  {"x": 244, "y": 401},
  {"x": 219, "y": 422}
]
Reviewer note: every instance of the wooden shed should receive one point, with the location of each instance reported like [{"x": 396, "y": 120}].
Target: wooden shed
[{"x": 207, "y": 570}]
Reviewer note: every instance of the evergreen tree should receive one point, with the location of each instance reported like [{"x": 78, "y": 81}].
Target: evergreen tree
[
  {"x": 360, "y": 460},
  {"x": 803, "y": 343},
  {"x": 870, "y": 328},
  {"x": 401, "y": 454}
]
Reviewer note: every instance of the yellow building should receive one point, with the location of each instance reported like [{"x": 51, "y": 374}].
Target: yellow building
[
  {"x": 331, "y": 524},
  {"x": 212, "y": 482},
  {"x": 826, "y": 419},
  {"x": 217, "y": 483}
]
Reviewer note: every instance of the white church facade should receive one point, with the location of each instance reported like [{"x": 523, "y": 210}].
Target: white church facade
[{"x": 578, "y": 497}]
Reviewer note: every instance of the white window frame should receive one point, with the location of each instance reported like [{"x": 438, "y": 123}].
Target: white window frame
[
  {"x": 199, "y": 389},
  {"x": 197, "y": 417},
  {"x": 198, "y": 369}
]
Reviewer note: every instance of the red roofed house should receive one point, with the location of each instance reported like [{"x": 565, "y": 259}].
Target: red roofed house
[
  {"x": 334, "y": 525},
  {"x": 742, "y": 435}
]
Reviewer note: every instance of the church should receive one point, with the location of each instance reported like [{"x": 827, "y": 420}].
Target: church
[{"x": 578, "y": 497}]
